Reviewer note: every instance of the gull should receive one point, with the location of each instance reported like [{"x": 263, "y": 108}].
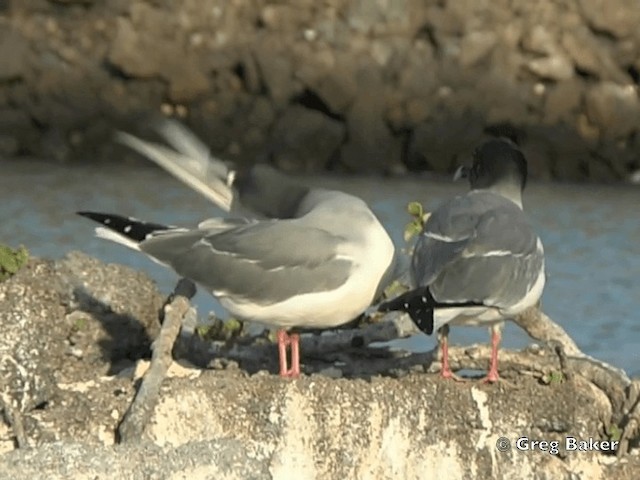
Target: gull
[
  {"x": 478, "y": 260},
  {"x": 316, "y": 258}
]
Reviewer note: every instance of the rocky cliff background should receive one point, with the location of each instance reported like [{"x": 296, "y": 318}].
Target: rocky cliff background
[{"x": 361, "y": 85}]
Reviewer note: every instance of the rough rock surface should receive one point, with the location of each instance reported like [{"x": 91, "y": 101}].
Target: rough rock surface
[
  {"x": 68, "y": 323},
  {"x": 377, "y": 82},
  {"x": 76, "y": 331}
]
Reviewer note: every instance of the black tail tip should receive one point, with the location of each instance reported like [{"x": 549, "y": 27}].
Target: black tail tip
[
  {"x": 417, "y": 305},
  {"x": 392, "y": 305},
  {"x": 98, "y": 217},
  {"x": 384, "y": 307}
]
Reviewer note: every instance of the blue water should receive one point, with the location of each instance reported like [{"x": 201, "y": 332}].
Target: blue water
[{"x": 591, "y": 236}]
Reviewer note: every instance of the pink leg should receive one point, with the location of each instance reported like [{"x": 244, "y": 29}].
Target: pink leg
[
  {"x": 445, "y": 372},
  {"x": 285, "y": 340},
  {"x": 492, "y": 375},
  {"x": 295, "y": 355},
  {"x": 443, "y": 340}
]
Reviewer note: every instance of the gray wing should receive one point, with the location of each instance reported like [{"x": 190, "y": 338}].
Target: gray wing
[
  {"x": 478, "y": 248},
  {"x": 265, "y": 262},
  {"x": 445, "y": 235}
]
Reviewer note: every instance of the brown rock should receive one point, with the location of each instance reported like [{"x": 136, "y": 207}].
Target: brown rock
[
  {"x": 475, "y": 46},
  {"x": 591, "y": 56},
  {"x": 251, "y": 73},
  {"x": 365, "y": 16},
  {"x": 418, "y": 110},
  {"x": 613, "y": 108},
  {"x": 276, "y": 71},
  {"x": 281, "y": 17},
  {"x": 133, "y": 54},
  {"x": 70, "y": 2},
  {"x": 332, "y": 78},
  {"x": 337, "y": 90},
  {"x": 262, "y": 113},
  {"x": 187, "y": 82},
  {"x": 68, "y": 69},
  {"x": 562, "y": 101},
  {"x": 8, "y": 146},
  {"x": 370, "y": 146},
  {"x": 14, "y": 50},
  {"x": 415, "y": 72},
  {"x": 445, "y": 21},
  {"x": 598, "y": 168},
  {"x": 13, "y": 120},
  {"x": 589, "y": 132},
  {"x": 501, "y": 101},
  {"x": 553, "y": 67},
  {"x": 540, "y": 40},
  {"x": 304, "y": 140},
  {"x": 144, "y": 56},
  {"x": 619, "y": 18},
  {"x": 617, "y": 156},
  {"x": 556, "y": 151},
  {"x": 444, "y": 143}
]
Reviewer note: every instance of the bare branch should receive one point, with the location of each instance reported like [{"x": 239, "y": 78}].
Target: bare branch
[
  {"x": 540, "y": 327},
  {"x": 137, "y": 416}
]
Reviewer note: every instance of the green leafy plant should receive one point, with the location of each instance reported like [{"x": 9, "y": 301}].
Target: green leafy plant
[
  {"x": 11, "y": 260},
  {"x": 80, "y": 323},
  {"x": 219, "y": 330},
  {"x": 414, "y": 227},
  {"x": 418, "y": 218},
  {"x": 614, "y": 432},
  {"x": 553, "y": 377}
]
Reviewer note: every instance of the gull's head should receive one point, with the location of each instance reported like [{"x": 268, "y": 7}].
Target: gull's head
[
  {"x": 497, "y": 163},
  {"x": 499, "y": 166}
]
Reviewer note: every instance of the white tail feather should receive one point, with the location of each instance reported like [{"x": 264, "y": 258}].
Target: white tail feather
[
  {"x": 102, "y": 232},
  {"x": 116, "y": 237},
  {"x": 191, "y": 164},
  {"x": 186, "y": 142}
]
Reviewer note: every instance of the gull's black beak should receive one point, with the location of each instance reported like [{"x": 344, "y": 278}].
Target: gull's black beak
[{"x": 461, "y": 172}]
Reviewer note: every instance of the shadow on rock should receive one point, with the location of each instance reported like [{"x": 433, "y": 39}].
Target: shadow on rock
[{"x": 114, "y": 311}]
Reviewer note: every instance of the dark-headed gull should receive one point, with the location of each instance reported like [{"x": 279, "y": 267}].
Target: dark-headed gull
[
  {"x": 318, "y": 259},
  {"x": 478, "y": 260}
]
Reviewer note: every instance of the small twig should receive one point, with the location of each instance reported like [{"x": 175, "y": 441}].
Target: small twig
[
  {"x": 137, "y": 416},
  {"x": 630, "y": 431},
  {"x": 14, "y": 420},
  {"x": 184, "y": 288},
  {"x": 559, "y": 349}
]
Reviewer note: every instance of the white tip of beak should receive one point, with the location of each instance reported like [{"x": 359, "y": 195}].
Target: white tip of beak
[{"x": 461, "y": 172}]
